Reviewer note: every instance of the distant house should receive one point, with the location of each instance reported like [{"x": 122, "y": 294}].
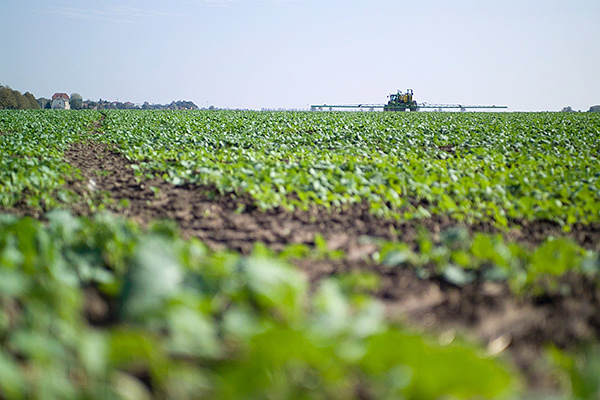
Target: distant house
[{"x": 60, "y": 101}]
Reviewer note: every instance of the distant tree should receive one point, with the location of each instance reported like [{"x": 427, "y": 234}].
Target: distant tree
[
  {"x": 185, "y": 105},
  {"x": 42, "y": 102},
  {"x": 7, "y": 99},
  {"x": 567, "y": 109},
  {"x": 22, "y": 101},
  {"x": 90, "y": 105},
  {"x": 14, "y": 100},
  {"x": 594, "y": 109},
  {"x": 31, "y": 101},
  {"x": 76, "y": 101}
]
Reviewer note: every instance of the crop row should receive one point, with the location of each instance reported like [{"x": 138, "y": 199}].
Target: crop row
[
  {"x": 497, "y": 167},
  {"x": 474, "y": 167},
  {"x": 32, "y": 145}
]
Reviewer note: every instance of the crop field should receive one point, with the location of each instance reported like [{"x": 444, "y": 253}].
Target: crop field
[{"x": 284, "y": 255}]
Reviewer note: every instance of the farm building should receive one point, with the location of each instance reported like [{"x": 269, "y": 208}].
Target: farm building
[{"x": 60, "y": 101}]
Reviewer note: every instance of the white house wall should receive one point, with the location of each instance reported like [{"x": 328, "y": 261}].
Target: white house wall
[{"x": 60, "y": 104}]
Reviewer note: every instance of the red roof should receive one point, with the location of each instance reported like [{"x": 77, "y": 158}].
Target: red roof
[{"x": 63, "y": 96}]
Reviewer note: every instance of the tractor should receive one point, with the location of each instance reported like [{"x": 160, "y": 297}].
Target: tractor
[{"x": 401, "y": 102}]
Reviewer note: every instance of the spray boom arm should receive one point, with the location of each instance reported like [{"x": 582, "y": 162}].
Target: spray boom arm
[{"x": 401, "y": 102}]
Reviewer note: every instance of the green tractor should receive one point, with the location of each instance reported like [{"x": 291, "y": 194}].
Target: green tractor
[{"x": 401, "y": 102}]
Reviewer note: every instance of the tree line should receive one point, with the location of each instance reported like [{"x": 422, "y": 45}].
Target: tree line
[
  {"x": 14, "y": 100},
  {"x": 11, "y": 99},
  {"x": 117, "y": 105}
]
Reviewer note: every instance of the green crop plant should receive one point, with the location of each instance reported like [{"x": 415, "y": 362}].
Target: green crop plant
[
  {"x": 32, "y": 145},
  {"x": 472, "y": 166},
  {"x": 498, "y": 167},
  {"x": 194, "y": 323}
]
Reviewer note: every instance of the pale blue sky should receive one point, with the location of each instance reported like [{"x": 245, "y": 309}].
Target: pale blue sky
[{"x": 528, "y": 54}]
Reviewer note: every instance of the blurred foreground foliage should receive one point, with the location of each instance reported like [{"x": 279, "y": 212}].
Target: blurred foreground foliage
[{"x": 97, "y": 308}]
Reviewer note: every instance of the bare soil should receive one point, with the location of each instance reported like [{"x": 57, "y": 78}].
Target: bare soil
[{"x": 516, "y": 326}]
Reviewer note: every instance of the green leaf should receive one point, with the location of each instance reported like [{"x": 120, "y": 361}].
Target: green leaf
[
  {"x": 457, "y": 276},
  {"x": 12, "y": 379},
  {"x": 435, "y": 371},
  {"x": 193, "y": 333},
  {"x": 154, "y": 276},
  {"x": 554, "y": 257},
  {"x": 274, "y": 286}
]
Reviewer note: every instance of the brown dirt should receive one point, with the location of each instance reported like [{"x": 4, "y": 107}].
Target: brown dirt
[
  {"x": 486, "y": 311},
  {"x": 447, "y": 148}
]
